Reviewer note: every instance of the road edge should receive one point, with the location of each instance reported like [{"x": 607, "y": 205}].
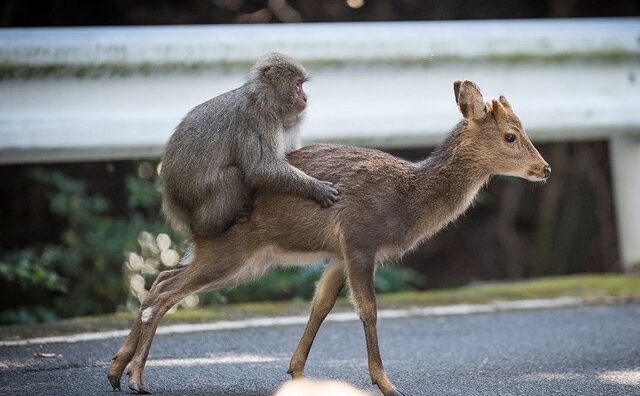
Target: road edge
[{"x": 276, "y": 321}]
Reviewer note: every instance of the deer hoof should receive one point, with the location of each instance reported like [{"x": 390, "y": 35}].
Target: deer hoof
[
  {"x": 139, "y": 389},
  {"x": 295, "y": 374},
  {"x": 114, "y": 381}
]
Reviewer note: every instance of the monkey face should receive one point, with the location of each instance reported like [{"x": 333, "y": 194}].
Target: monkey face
[
  {"x": 300, "y": 95},
  {"x": 286, "y": 77}
]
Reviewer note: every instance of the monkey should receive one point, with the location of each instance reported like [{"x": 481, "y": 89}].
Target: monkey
[{"x": 228, "y": 147}]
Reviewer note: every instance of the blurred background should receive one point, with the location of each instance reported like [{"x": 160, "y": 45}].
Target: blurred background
[{"x": 81, "y": 231}]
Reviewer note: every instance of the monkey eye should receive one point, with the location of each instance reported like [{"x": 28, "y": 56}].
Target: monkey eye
[{"x": 510, "y": 137}]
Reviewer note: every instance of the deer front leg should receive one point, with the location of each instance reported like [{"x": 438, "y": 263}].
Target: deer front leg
[
  {"x": 324, "y": 298},
  {"x": 360, "y": 272}
]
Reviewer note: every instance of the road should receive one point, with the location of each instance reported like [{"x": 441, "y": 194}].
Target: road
[{"x": 592, "y": 350}]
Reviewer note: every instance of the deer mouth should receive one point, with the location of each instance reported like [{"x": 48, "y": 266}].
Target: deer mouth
[{"x": 536, "y": 177}]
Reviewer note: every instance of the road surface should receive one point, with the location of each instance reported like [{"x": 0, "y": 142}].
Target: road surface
[{"x": 591, "y": 350}]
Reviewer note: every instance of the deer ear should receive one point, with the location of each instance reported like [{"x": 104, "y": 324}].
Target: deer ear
[
  {"x": 456, "y": 89},
  {"x": 505, "y": 102},
  {"x": 469, "y": 99}
]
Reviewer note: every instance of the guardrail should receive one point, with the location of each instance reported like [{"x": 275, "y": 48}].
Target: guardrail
[{"x": 71, "y": 94}]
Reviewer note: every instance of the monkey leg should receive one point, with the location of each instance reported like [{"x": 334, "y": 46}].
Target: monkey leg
[
  {"x": 177, "y": 216},
  {"x": 128, "y": 348},
  {"x": 324, "y": 298},
  {"x": 360, "y": 273},
  {"x": 227, "y": 197}
]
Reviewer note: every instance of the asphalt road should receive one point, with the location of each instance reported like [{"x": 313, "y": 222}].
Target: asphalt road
[{"x": 591, "y": 350}]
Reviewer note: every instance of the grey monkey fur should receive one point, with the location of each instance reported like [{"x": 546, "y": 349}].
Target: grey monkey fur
[{"x": 235, "y": 143}]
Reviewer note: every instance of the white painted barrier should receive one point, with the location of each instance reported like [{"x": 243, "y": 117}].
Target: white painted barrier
[{"x": 70, "y": 94}]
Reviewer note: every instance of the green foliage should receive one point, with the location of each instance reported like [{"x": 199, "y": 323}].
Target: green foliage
[
  {"x": 276, "y": 284},
  {"x": 29, "y": 269},
  {"x": 279, "y": 283},
  {"x": 394, "y": 279},
  {"x": 142, "y": 193},
  {"x": 31, "y": 314},
  {"x": 82, "y": 273}
]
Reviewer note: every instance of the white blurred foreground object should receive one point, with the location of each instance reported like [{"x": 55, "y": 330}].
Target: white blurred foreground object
[
  {"x": 307, "y": 387},
  {"x": 79, "y": 94}
]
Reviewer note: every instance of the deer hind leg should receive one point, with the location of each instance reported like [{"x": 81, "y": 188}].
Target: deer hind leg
[
  {"x": 226, "y": 271},
  {"x": 128, "y": 348},
  {"x": 152, "y": 310},
  {"x": 327, "y": 291},
  {"x": 360, "y": 275}
]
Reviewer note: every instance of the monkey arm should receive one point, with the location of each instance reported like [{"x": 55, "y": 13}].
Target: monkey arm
[
  {"x": 275, "y": 174},
  {"x": 261, "y": 158},
  {"x": 281, "y": 177}
]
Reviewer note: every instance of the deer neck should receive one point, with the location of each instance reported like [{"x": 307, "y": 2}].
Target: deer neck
[{"x": 446, "y": 183}]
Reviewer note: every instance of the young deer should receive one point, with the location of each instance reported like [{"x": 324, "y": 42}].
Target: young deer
[{"x": 387, "y": 206}]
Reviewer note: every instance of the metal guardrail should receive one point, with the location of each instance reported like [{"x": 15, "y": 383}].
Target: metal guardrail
[
  {"x": 109, "y": 93},
  {"x": 322, "y": 43}
]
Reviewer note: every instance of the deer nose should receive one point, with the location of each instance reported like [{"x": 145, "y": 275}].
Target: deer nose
[{"x": 547, "y": 171}]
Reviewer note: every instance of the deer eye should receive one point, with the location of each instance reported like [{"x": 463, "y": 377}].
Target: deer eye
[{"x": 510, "y": 137}]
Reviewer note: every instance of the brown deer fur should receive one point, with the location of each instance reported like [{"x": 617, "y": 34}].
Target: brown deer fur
[{"x": 387, "y": 206}]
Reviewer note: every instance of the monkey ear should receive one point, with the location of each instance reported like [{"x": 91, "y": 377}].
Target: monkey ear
[
  {"x": 269, "y": 74},
  {"x": 469, "y": 99}
]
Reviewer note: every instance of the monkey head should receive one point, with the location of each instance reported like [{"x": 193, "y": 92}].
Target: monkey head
[{"x": 285, "y": 77}]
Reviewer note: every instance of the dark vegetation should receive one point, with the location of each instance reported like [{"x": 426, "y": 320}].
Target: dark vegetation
[
  {"x": 172, "y": 12},
  {"x": 517, "y": 229}
]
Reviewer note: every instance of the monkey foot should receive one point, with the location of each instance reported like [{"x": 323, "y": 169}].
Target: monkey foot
[{"x": 138, "y": 388}]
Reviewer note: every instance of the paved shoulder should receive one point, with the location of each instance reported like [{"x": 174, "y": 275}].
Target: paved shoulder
[{"x": 570, "y": 351}]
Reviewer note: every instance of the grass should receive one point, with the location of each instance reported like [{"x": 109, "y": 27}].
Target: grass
[
  {"x": 590, "y": 287},
  {"x": 593, "y": 288}
]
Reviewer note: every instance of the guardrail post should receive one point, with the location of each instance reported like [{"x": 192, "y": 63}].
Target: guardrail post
[{"x": 625, "y": 163}]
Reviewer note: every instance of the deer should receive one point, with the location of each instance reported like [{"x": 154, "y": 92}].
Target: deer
[{"x": 387, "y": 206}]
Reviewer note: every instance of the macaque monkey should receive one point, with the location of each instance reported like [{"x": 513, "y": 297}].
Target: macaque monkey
[{"x": 236, "y": 143}]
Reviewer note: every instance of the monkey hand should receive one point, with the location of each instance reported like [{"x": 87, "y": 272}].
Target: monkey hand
[{"x": 326, "y": 194}]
